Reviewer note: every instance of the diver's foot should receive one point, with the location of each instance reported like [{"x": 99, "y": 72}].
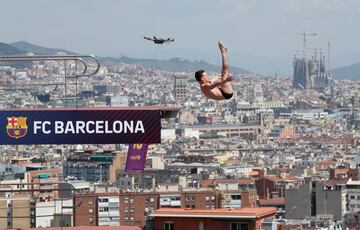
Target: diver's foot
[{"x": 222, "y": 47}]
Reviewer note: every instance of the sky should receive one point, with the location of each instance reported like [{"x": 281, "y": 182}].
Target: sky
[{"x": 261, "y": 35}]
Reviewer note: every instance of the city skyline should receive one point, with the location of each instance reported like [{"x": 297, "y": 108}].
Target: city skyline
[
  {"x": 254, "y": 31},
  {"x": 279, "y": 153}
]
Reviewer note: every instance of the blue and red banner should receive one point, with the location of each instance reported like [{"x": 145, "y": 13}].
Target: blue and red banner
[
  {"x": 79, "y": 126},
  {"x": 136, "y": 158}
]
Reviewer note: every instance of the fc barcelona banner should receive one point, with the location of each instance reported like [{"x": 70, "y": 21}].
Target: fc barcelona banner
[
  {"x": 79, "y": 126},
  {"x": 136, "y": 158}
]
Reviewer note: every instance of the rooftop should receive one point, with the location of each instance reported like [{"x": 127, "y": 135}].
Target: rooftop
[
  {"x": 353, "y": 182},
  {"x": 241, "y": 213},
  {"x": 239, "y": 181},
  {"x": 276, "y": 201}
]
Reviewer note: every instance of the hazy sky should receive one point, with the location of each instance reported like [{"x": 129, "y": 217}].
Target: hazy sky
[{"x": 249, "y": 28}]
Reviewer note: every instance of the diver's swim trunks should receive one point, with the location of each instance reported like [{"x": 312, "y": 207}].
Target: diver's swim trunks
[{"x": 226, "y": 95}]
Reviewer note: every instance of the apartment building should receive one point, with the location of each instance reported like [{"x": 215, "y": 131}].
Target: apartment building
[
  {"x": 17, "y": 211},
  {"x": 133, "y": 208}
]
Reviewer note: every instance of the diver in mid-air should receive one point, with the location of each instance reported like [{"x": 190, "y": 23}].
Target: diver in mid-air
[
  {"x": 220, "y": 89},
  {"x": 160, "y": 41}
]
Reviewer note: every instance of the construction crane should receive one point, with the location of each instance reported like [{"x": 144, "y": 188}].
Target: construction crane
[
  {"x": 304, "y": 34},
  {"x": 304, "y": 37}
]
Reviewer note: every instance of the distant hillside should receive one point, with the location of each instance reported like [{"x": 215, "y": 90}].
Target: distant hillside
[
  {"x": 39, "y": 50},
  {"x": 171, "y": 65},
  {"x": 351, "y": 72},
  {"x": 6, "y": 49}
]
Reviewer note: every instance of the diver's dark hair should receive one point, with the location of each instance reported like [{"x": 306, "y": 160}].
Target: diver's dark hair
[{"x": 198, "y": 74}]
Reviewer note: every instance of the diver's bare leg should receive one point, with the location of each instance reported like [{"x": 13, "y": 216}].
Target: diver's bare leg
[
  {"x": 225, "y": 62},
  {"x": 226, "y": 87}
]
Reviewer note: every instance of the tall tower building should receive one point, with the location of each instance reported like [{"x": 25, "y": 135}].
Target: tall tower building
[
  {"x": 180, "y": 88},
  {"x": 255, "y": 94}
]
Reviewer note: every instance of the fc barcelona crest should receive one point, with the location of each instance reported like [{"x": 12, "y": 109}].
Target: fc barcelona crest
[{"x": 16, "y": 127}]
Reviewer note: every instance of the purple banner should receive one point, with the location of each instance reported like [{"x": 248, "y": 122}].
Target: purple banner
[{"x": 136, "y": 158}]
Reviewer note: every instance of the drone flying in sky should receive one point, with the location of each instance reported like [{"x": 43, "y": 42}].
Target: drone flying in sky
[{"x": 159, "y": 41}]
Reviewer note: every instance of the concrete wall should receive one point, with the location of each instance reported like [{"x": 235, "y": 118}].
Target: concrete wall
[
  {"x": 328, "y": 202},
  {"x": 3, "y": 214},
  {"x": 298, "y": 202},
  {"x": 21, "y": 214},
  {"x": 46, "y": 212},
  {"x": 117, "y": 164}
]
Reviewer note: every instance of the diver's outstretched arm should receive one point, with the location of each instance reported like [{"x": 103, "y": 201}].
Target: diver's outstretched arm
[{"x": 218, "y": 83}]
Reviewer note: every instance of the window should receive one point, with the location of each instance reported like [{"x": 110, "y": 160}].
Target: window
[
  {"x": 151, "y": 199},
  {"x": 91, "y": 220},
  {"x": 103, "y": 209},
  {"x": 131, "y": 201},
  {"x": 236, "y": 197},
  {"x": 114, "y": 209},
  {"x": 239, "y": 226},
  {"x": 168, "y": 226},
  {"x": 131, "y": 209},
  {"x": 132, "y": 218},
  {"x": 126, "y": 209},
  {"x": 91, "y": 210},
  {"x": 207, "y": 198},
  {"x": 91, "y": 201},
  {"x": 103, "y": 200}
]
